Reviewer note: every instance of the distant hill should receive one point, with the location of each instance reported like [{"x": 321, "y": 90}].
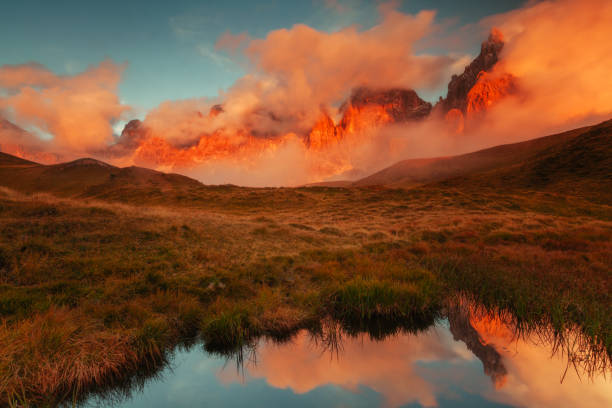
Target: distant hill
[
  {"x": 89, "y": 178},
  {"x": 578, "y": 165},
  {"x": 7, "y": 160},
  {"x": 338, "y": 183},
  {"x": 410, "y": 173}
]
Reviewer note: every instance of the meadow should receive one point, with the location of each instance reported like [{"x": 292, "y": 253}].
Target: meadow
[{"x": 93, "y": 291}]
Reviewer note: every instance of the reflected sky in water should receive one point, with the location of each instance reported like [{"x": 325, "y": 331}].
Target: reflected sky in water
[{"x": 461, "y": 362}]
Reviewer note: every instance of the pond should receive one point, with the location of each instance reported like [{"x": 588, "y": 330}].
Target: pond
[{"x": 466, "y": 359}]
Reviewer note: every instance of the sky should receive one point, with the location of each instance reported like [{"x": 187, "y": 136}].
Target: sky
[
  {"x": 259, "y": 93},
  {"x": 169, "y": 46}
]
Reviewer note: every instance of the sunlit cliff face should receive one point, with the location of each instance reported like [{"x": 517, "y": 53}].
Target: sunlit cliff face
[
  {"x": 365, "y": 111},
  {"x": 318, "y": 105},
  {"x": 488, "y": 90}
]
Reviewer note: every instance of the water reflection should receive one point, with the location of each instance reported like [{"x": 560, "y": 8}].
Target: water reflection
[{"x": 469, "y": 358}]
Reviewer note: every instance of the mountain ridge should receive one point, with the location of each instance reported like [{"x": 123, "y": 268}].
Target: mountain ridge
[
  {"x": 87, "y": 177},
  {"x": 577, "y": 156},
  {"x": 416, "y": 172}
]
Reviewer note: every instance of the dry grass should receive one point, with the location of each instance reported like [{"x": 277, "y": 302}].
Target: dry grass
[
  {"x": 58, "y": 353},
  {"x": 91, "y": 290}
]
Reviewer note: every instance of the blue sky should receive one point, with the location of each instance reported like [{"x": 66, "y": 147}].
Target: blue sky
[{"x": 169, "y": 45}]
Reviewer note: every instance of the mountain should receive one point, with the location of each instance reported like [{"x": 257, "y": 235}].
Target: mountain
[
  {"x": 470, "y": 93},
  {"x": 460, "y": 85},
  {"x": 413, "y": 172},
  {"x": 398, "y": 105},
  {"x": 580, "y": 157},
  {"x": 6, "y": 127},
  {"x": 89, "y": 178},
  {"x": 462, "y": 329},
  {"x": 365, "y": 109}
]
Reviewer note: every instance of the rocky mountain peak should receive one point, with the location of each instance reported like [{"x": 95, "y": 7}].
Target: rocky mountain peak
[
  {"x": 460, "y": 85},
  {"x": 400, "y": 104}
]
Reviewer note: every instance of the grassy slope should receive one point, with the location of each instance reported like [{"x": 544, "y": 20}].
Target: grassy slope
[
  {"x": 86, "y": 178},
  {"x": 409, "y": 173},
  {"x": 7, "y": 160},
  {"x": 91, "y": 289},
  {"x": 579, "y": 166}
]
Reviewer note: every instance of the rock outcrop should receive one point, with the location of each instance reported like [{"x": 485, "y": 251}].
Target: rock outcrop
[
  {"x": 398, "y": 105},
  {"x": 489, "y": 89},
  {"x": 133, "y": 134},
  {"x": 366, "y": 109},
  {"x": 324, "y": 133},
  {"x": 461, "y": 85}
]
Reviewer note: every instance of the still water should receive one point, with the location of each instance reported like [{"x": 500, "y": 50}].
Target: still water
[{"x": 461, "y": 361}]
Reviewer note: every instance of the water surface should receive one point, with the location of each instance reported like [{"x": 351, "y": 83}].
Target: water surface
[{"x": 461, "y": 361}]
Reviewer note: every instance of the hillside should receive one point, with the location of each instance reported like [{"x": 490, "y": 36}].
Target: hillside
[
  {"x": 7, "y": 160},
  {"x": 88, "y": 178},
  {"x": 410, "y": 173},
  {"x": 580, "y": 165}
]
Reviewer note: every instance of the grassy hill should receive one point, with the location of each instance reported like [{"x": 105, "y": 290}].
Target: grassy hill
[
  {"x": 580, "y": 165},
  {"x": 9, "y": 161},
  {"x": 410, "y": 173},
  {"x": 88, "y": 178}
]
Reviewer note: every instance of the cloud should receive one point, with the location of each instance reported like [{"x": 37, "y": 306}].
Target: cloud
[
  {"x": 336, "y": 5},
  {"x": 293, "y": 74},
  {"x": 189, "y": 26},
  {"x": 217, "y": 58},
  {"x": 14, "y": 77},
  {"x": 561, "y": 53},
  {"x": 76, "y": 110},
  {"x": 314, "y": 66},
  {"x": 407, "y": 369},
  {"x": 232, "y": 42},
  {"x": 534, "y": 372}
]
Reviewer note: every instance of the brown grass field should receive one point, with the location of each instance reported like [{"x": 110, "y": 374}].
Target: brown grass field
[{"x": 98, "y": 282}]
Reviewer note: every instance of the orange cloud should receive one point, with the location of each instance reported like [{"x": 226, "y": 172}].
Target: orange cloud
[
  {"x": 77, "y": 111},
  {"x": 232, "y": 42},
  {"x": 315, "y": 67},
  {"x": 561, "y": 54},
  {"x": 14, "y": 77}
]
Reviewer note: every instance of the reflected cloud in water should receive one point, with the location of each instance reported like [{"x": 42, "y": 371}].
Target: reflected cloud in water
[{"x": 469, "y": 359}]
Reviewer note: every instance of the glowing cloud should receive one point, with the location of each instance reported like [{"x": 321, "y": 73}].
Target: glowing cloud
[
  {"x": 77, "y": 111},
  {"x": 561, "y": 54}
]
